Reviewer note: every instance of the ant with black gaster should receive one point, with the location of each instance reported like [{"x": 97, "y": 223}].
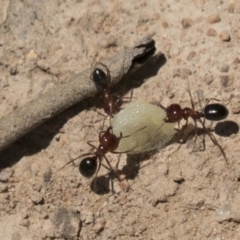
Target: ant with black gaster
[
  {"x": 111, "y": 102},
  {"x": 213, "y": 112},
  {"x": 108, "y": 142}
]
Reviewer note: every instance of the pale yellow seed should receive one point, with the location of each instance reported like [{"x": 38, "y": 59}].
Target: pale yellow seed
[{"x": 135, "y": 116}]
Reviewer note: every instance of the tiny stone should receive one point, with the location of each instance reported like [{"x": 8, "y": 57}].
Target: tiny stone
[
  {"x": 176, "y": 73},
  {"x": 98, "y": 227},
  {"x": 13, "y": 70},
  {"x": 32, "y": 55},
  {"x": 89, "y": 218},
  {"x": 236, "y": 217},
  {"x": 47, "y": 175},
  {"x": 5, "y": 174},
  {"x": 236, "y": 61},
  {"x": 214, "y": 18},
  {"x": 187, "y": 23},
  {"x": 164, "y": 24},
  {"x": 36, "y": 197},
  {"x": 224, "y": 68},
  {"x": 4, "y": 82},
  {"x": 224, "y": 36},
  {"x": 171, "y": 93},
  {"x": 211, "y": 32},
  {"x": 185, "y": 73},
  {"x": 43, "y": 64},
  {"x": 223, "y": 213},
  {"x": 226, "y": 81},
  {"x": 231, "y": 8},
  {"x": 3, "y": 187},
  {"x": 24, "y": 223},
  {"x": 208, "y": 79},
  {"x": 191, "y": 55}
]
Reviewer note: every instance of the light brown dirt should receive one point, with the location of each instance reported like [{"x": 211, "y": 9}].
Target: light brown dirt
[{"x": 190, "y": 195}]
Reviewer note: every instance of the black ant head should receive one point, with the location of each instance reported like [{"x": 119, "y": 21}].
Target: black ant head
[
  {"x": 88, "y": 166},
  {"x": 215, "y": 112},
  {"x": 100, "y": 78}
]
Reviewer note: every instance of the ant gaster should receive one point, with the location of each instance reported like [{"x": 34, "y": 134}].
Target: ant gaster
[
  {"x": 212, "y": 112},
  {"x": 108, "y": 142}
]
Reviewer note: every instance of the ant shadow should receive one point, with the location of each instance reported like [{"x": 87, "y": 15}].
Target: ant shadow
[
  {"x": 183, "y": 136},
  {"x": 40, "y": 137},
  {"x": 104, "y": 184}
]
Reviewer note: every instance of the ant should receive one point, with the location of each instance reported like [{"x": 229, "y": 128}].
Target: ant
[
  {"x": 108, "y": 142},
  {"x": 111, "y": 102},
  {"x": 213, "y": 112}
]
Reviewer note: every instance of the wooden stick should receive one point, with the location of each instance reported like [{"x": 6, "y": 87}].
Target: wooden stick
[{"x": 62, "y": 96}]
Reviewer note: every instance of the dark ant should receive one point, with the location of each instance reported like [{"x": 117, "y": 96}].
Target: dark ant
[
  {"x": 108, "y": 142},
  {"x": 111, "y": 102},
  {"x": 212, "y": 112}
]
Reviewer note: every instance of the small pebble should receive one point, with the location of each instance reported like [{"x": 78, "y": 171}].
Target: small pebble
[
  {"x": 191, "y": 55},
  {"x": 224, "y": 68},
  {"x": 213, "y": 18},
  {"x": 13, "y": 70},
  {"x": 187, "y": 23},
  {"x": 3, "y": 187},
  {"x": 98, "y": 227},
  {"x": 164, "y": 24},
  {"x": 36, "y": 197},
  {"x": 226, "y": 81},
  {"x": 224, "y": 36},
  {"x": 236, "y": 61},
  {"x": 211, "y": 32},
  {"x": 32, "y": 55},
  {"x": 43, "y": 64},
  {"x": 223, "y": 213},
  {"x": 231, "y": 8},
  {"x": 208, "y": 79},
  {"x": 5, "y": 174}
]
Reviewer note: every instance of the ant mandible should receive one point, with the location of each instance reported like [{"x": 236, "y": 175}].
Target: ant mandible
[
  {"x": 108, "y": 142},
  {"x": 111, "y": 102},
  {"x": 212, "y": 112}
]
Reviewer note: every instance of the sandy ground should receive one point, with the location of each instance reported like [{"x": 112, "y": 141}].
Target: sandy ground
[{"x": 190, "y": 195}]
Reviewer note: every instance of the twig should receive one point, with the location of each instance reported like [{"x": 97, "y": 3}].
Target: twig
[{"x": 60, "y": 97}]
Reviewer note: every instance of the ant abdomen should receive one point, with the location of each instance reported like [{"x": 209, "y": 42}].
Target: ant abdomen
[
  {"x": 215, "y": 112},
  {"x": 88, "y": 166},
  {"x": 100, "y": 78}
]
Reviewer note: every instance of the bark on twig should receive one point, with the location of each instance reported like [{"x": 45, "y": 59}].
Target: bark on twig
[{"x": 60, "y": 97}]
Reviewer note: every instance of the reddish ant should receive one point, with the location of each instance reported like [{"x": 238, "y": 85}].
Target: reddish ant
[
  {"x": 108, "y": 142},
  {"x": 212, "y": 112},
  {"x": 111, "y": 102}
]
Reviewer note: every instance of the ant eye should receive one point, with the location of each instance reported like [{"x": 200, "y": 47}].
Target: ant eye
[
  {"x": 99, "y": 77},
  {"x": 215, "y": 112},
  {"x": 88, "y": 166}
]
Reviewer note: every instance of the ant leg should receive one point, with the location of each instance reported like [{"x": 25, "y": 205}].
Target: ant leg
[
  {"x": 195, "y": 138},
  {"x": 73, "y": 160},
  {"x": 121, "y": 136},
  {"x": 129, "y": 98},
  {"x": 220, "y": 100},
  {"x": 112, "y": 169},
  {"x": 190, "y": 94},
  {"x": 180, "y": 144},
  {"x": 95, "y": 176},
  {"x": 91, "y": 145},
  {"x": 214, "y": 140},
  {"x": 104, "y": 122},
  {"x": 125, "y": 151}
]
